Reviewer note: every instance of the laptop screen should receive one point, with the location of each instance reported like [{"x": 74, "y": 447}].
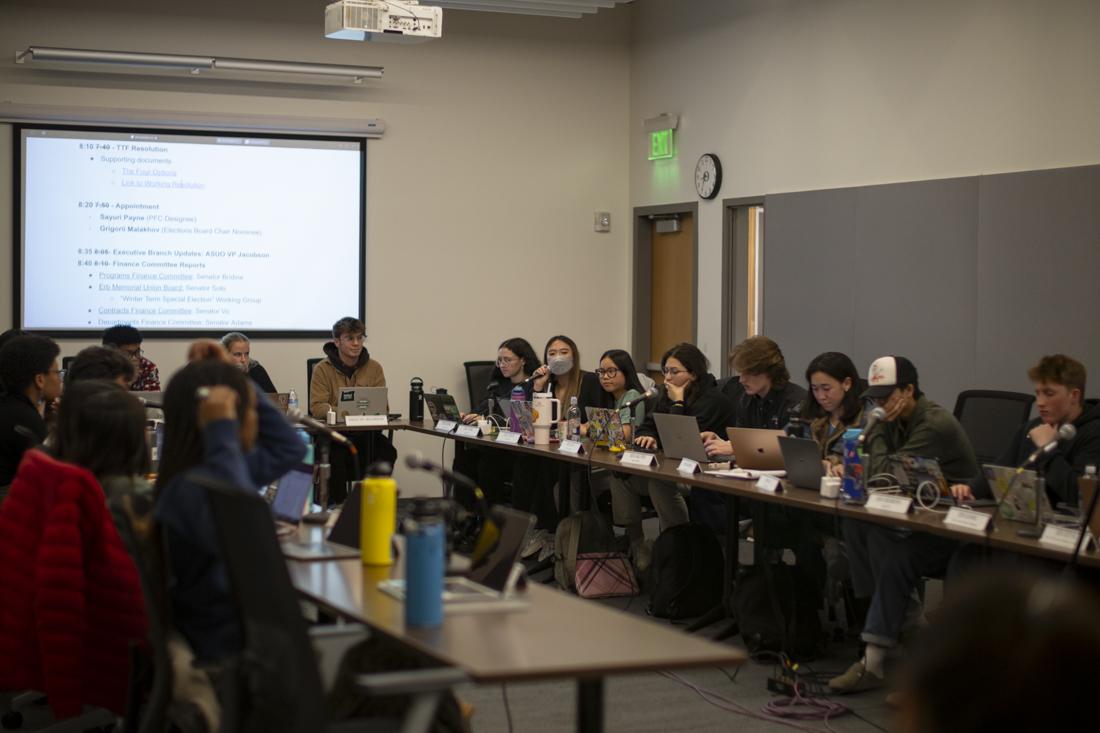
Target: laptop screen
[
  {"x": 291, "y": 494},
  {"x": 493, "y": 572}
]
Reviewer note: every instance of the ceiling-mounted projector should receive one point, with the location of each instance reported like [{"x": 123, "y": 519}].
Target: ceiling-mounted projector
[{"x": 382, "y": 20}]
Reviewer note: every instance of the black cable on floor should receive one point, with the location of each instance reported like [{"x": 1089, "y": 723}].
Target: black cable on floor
[{"x": 507, "y": 707}]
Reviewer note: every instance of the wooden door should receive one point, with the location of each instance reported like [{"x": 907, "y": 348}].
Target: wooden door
[{"x": 672, "y": 286}]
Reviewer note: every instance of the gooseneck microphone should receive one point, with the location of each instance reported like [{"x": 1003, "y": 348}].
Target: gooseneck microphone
[
  {"x": 649, "y": 394},
  {"x": 877, "y": 415},
  {"x": 297, "y": 416},
  {"x": 1065, "y": 432}
]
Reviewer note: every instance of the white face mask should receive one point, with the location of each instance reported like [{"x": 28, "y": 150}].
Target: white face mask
[{"x": 560, "y": 365}]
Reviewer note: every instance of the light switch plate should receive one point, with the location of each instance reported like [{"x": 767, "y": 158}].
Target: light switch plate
[{"x": 603, "y": 221}]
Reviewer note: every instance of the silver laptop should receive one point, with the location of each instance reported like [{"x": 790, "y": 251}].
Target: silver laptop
[
  {"x": 680, "y": 437},
  {"x": 756, "y": 449},
  {"x": 361, "y": 401},
  {"x": 1015, "y": 493},
  {"x": 802, "y": 461}
]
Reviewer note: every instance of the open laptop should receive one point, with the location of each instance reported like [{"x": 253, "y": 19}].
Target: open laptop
[
  {"x": 290, "y": 495},
  {"x": 342, "y": 541},
  {"x": 756, "y": 449},
  {"x": 362, "y": 401},
  {"x": 442, "y": 407},
  {"x": 490, "y": 585},
  {"x": 680, "y": 437},
  {"x": 1015, "y": 493},
  {"x": 606, "y": 425},
  {"x": 281, "y": 400},
  {"x": 802, "y": 461}
]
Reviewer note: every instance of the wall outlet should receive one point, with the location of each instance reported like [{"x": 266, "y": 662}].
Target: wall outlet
[{"x": 603, "y": 221}]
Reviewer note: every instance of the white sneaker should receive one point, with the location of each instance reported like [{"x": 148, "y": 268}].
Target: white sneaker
[{"x": 535, "y": 540}]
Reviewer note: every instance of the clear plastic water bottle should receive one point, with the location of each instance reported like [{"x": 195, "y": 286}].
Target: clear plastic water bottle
[
  {"x": 518, "y": 395},
  {"x": 573, "y": 420},
  {"x": 292, "y": 401}
]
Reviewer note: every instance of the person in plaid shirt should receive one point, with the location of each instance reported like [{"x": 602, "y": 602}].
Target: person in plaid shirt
[{"x": 127, "y": 339}]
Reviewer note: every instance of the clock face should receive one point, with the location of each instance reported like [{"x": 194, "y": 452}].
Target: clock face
[{"x": 708, "y": 175}]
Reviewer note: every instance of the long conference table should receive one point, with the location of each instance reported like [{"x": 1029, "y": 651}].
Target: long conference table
[{"x": 560, "y": 636}]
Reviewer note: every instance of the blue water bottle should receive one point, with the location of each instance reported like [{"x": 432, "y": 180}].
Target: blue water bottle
[
  {"x": 852, "y": 487},
  {"x": 424, "y": 566},
  {"x": 518, "y": 395}
]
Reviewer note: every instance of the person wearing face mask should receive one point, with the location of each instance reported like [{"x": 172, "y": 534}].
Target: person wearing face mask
[
  {"x": 534, "y": 479},
  {"x": 239, "y": 349},
  {"x": 689, "y": 389},
  {"x": 563, "y": 377},
  {"x": 492, "y": 469}
]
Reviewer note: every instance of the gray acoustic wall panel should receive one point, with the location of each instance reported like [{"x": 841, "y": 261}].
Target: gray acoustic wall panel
[
  {"x": 809, "y": 291},
  {"x": 972, "y": 278},
  {"x": 915, "y": 268},
  {"x": 1038, "y": 273}
]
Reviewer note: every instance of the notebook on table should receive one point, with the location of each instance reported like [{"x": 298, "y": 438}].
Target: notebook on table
[
  {"x": 362, "y": 401},
  {"x": 490, "y": 585}
]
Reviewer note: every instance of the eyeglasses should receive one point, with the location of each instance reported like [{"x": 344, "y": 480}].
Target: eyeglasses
[
  {"x": 672, "y": 371},
  {"x": 506, "y": 360},
  {"x": 609, "y": 373}
]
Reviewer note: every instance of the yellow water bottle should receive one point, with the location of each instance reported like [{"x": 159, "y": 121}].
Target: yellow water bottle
[{"x": 378, "y": 515}]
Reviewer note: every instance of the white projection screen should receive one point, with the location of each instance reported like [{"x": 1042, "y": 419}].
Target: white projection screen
[{"x": 185, "y": 234}]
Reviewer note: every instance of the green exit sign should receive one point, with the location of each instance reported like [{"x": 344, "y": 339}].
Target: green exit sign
[{"x": 662, "y": 145}]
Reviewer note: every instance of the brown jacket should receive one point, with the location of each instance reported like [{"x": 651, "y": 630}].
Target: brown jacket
[{"x": 331, "y": 375}]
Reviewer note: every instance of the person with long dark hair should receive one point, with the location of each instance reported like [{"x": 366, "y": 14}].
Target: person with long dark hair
[
  {"x": 534, "y": 479},
  {"x": 101, "y": 427},
  {"x": 619, "y": 378},
  {"x": 491, "y": 470},
  {"x": 689, "y": 389},
  {"x": 219, "y": 426},
  {"x": 833, "y": 405}
]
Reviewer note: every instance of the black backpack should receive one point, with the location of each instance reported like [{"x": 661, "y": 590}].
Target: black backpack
[
  {"x": 686, "y": 572},
  {"x": 780, "y": 618}
]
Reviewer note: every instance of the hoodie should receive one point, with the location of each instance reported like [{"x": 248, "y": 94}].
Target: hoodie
[
  {"x": 332, "y": 375},
  {"x": 1061, "y": 467},
  {"x": 712, "y": 409}
]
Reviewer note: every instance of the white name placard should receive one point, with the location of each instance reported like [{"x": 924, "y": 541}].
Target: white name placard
[
  {"x": 967, "y": 519},
  {"x": 770, "y": 484},
  {"x": 1063, "y": 538},
  {"x": 688, "y": 465},
  {"x": 889, "y": 503},
  {"x": 468, "y": 431},
  {"x": 571, "y": 446},
  {"x": 362, "y": 420},
  {"x": 508, "y": 436},
  {"x": 446, "y": 426},
  {"x": 637, "y": 458}
]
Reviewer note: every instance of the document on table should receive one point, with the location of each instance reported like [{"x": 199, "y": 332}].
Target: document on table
[{"x": 745, "y": 473}]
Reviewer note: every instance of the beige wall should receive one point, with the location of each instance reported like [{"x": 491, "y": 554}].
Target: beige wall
[
  {"x": 502, "y": 140},
  {"x": 806, "y": 94}
]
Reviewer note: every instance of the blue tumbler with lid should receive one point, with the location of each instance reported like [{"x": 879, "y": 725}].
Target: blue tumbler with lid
[{"x": 424, "y": 565}]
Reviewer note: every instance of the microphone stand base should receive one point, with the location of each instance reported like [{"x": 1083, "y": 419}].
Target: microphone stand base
[{"x": 317, "y": 517}]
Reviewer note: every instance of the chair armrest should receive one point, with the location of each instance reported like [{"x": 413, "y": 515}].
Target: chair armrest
[
  {"x": 330, "y": 644},
  {"x": 410, "y": 682}
]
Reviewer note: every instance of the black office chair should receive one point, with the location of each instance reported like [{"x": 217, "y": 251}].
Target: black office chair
[
  {"x": 66, "y": 361},
  {"x": 1091, "y": 402},
  {"x": 147, "y": 710},
  {"x": 280, "y": 688},
  {"x": 991, "y": 419},
  {"x": 310, "y": 363},
  {"x": 478, "y": 376}
]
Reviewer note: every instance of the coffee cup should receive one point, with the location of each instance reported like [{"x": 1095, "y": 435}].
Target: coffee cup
[
  {"x": 830, "y": 486},
  {"x": 542, "y": 435}
]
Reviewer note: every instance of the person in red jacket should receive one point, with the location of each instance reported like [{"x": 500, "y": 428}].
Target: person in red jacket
[{"x": 70, "y": 597}]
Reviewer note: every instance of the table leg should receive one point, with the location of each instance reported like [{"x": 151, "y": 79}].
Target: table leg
[{"x": 590, "y": 705}]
